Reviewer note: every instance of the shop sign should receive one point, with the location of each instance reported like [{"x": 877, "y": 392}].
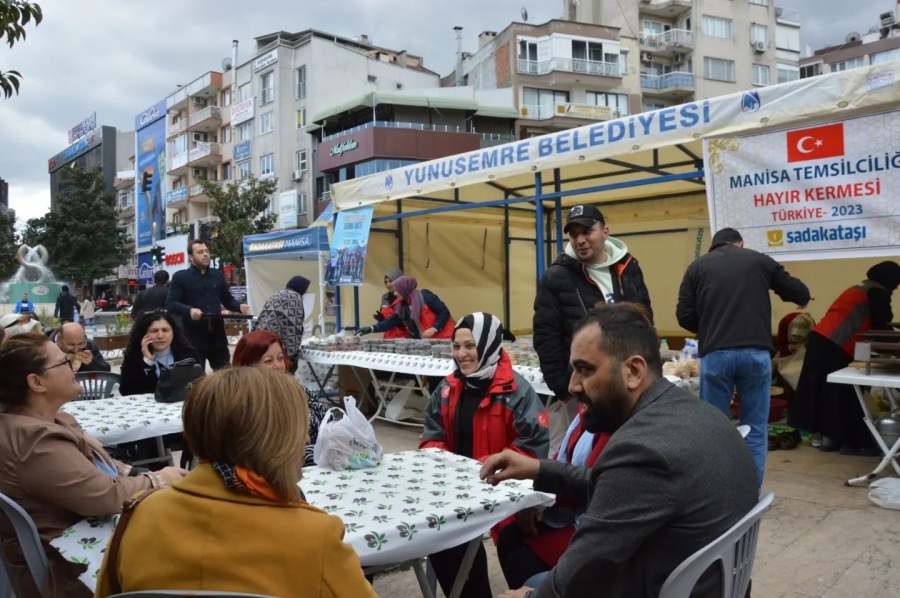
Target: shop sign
[
  {"x": 241, "y": 112},
  {"x": 242, "y": 151},
  {"x": 265, "y": 60},
  {"x": 586, "y": 111},
  {"x": 341, "y": 148},
  {"x": 83, "y": 128}
]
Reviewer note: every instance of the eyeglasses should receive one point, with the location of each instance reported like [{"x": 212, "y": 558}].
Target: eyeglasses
[{"x": 66, "y": 362}]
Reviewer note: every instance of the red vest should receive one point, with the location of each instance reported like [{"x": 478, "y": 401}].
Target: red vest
[
  {"x": 427, "y": 318},
  {"x": 847, "y": 317},
  {"x": 396, "y": 331}
]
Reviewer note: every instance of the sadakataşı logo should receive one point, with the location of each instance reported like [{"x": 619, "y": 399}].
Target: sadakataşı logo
[
  {"x": 750, "y": 101},
  {"x": 816, "y": 234},
  {"x": 389, "y": 181}
]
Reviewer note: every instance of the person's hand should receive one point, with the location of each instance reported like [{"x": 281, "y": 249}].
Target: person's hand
[
  {"x": 528, "y": 520},
  {"x": 85, "y": 356},
  {"x": 245, "y": 309},
  {"x": 378, "y": 317},
  {"x": 364, "y": 331},
  {"x": 802, "y": 307},
  {"x": 520, "y": 593},
  {"x": 172, "y": 474},
  {"x": 196, "y": 314},
  {"x": 509, "y": 465},
  {"x": 145, "y": 347},
  {"x": 429, "y": 333}
]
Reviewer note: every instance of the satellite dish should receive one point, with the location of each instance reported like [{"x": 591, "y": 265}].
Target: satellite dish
[
  {"x": 227, "y": 65},
  {"x": 524, "y": 14},
  {"x": 853, "y": 36}
]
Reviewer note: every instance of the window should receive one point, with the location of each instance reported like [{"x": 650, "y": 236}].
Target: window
[
  {"x": 301, "y": 118},
  {"x": 760, "y": 74},
  {"x": 226, "y": 134},
  {"x": 267, "y": 88},
  {"x": 528, "y": 51},
  {"x": 244, "y": 170},
  {"x": 716, "y": 27},
  {"x": 226, "y": 171},
  {"x": 301, "y": 204},
  {"x": 244, "y": 132},
  {"x": 301, "y": 82},
  {"x": 267, "y": 165},
  {"x": 302, "y": 160},
  {"x": 654, "y": 27},
  {"x": 179, "y": 145},
  {"x": 616, "y": 101},
  {"x": 811, "y": 70},
  {"x": 245, "y": 92},
  {"x": 226, "y": 97},
  {"x": 542, "y": 102},
  {"x": 885, "y": 56},
  {"x": 718, "y": 69},
  {"x": 265, "y": 123},
  {"x": 846, "y": 65},
  {"x": 760, "y": 2},
  {"x": 787, "y": 73},
  {"x": 758, "y": 34},
  {"x": 653, "y": 106},
  {"x": 623, "y": 63}
]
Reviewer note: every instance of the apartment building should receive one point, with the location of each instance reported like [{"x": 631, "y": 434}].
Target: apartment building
[
  {"x": 4, "y": 198},
  {"x": 694, "y": 49},
  {"x": 561, "y": 73},
  {"x": 880, "y": 44}
]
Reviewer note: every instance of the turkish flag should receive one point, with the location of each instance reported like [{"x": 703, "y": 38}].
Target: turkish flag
[{"x": 815, "y": 143}]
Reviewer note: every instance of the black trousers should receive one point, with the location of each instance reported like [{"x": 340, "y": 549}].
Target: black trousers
[
  {"x": 517, "y": 560},
  {"x": 215, "y": 353},
  {"x": 446, "y": 565}
]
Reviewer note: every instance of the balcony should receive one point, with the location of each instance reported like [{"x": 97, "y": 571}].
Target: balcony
[
  {"x": 126, "y": 207},
  {"x": 787, "y": 16},
  {"x": 196, "y": 192},
  {"x": 671, "y": 85},
  {"x": 569, "y": 65},
  {"x": 208, "y": 119},
  {"x": 176, "y": 196},
  {"x": 177, "y": 128},
  {"x": 204, "y": 154},
  {"x": 177, "y": 164},
  {"x": 669, "y": 43},
  {"x": 266, "y": 96},
  {"x": 668, "y": 9},
  {"x": 124, "y": 179},
  {"x": 493, "y": 139}
]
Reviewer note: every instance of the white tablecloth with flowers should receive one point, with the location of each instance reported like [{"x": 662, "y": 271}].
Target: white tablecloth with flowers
[
  {"x": 414, "y": 504},
  {"x": 409, "y": 364},
  {"x": 126, "y": 419}
]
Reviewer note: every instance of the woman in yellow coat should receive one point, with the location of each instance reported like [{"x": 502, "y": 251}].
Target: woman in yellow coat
[{"x": 238, "y": 522}]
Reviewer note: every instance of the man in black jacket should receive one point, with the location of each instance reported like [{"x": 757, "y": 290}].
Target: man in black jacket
[
  {"x": 674, "y": 476},
  {"x": 201, "y": 291},
  {"x": 594, "y": 270},
  {"x": 67, "y": 307},
  {"x": 724, "y": 299},
  {"x": 152, "y": 298}
]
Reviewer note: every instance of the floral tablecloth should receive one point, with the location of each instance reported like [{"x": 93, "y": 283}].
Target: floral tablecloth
[
  {"x": 415, "y": 503},
  {"x": 409, "y": 364},
  {"x": 126, "y": 419}
]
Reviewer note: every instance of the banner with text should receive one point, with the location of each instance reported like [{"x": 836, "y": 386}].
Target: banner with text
[
  {"x": 347, "y": 261},
  {"x": 825, "y": 191}
]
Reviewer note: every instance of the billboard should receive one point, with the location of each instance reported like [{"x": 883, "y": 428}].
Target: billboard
[
  {"x": 150, "y": 175},
  {"x": 176, "y": 258},
  {"x": 145, "y": 268},
  {"x": 347, "y": 261}
]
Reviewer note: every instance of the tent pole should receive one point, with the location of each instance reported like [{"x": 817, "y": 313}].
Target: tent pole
[
  {"x": 356, "y": 306},
  {"x": 506, "y": 277},
  {"x": 539, "y": 223},
  {"x": 400, "y": 234},
  {"x": 557, "y": 187},
  {"x": 337, "y": 287},
  {"x": 322, "y": 256}
]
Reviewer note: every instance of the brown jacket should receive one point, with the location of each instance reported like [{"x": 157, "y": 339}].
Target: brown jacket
[
  {"x": 48, "y": 468},
  {"x": 198, "y": 535}
]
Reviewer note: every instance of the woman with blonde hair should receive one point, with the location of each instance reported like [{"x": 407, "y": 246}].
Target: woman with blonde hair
[{"x": 238, "y": 522}]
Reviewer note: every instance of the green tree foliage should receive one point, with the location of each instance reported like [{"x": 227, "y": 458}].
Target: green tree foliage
[
  {"x": 14, "y": 15},
  {"x": 9, "y": 244},
  {"x": 239, "y": 208}
]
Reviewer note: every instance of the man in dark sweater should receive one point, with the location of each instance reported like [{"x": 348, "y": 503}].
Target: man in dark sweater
[
  {"x": 674, "y": 476},
  {"x": 724, "y": 299},
  {"x": 152, "y": 298}
]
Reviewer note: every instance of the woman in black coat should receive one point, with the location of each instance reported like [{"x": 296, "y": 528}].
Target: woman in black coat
[{"x": 157, "y": 342}]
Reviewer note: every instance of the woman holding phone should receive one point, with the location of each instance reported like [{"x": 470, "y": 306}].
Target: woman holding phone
[{"x": 157, "y": 342}]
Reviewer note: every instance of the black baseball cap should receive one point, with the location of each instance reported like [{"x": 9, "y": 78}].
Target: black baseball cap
[{"x": 585, "y": 215}]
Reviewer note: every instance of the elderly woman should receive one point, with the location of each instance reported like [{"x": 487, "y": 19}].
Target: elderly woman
[
  {"x": 480, "y": 409},
  {"x": 238, "y": 522},
  {"x": 49, "y": 465},
  {"x": 421, "y": 313},
  {"x": 263, "y": 349},
  {"x": 157, "y": 342},
  {"x": 283, "y": 314}
]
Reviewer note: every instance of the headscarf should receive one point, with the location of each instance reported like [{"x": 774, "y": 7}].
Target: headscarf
[
  {"x": 407, "y": 287},
  {"x": 298, "y": 284},
  {"x": 887, "y": 274},
  {"x": 488, "y": 333},
  {"x": 782, "y": 339},
  {"x": 393, "y": 274}
]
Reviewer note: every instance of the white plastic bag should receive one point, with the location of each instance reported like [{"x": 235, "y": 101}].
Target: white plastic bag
[
  {"x": 347, "y": 443},
  {"x": 886, "y": 493}
]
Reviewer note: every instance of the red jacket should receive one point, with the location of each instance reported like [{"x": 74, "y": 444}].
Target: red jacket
[
  {"x": 433, "y": 314},
  {"x": 848, "y": 316},
  {"x": 511, "y": 416},
  {"x": 388, "y": 304}
]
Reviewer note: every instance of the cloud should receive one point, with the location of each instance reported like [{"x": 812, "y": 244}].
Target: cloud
[{"x": 117, "y": 57}]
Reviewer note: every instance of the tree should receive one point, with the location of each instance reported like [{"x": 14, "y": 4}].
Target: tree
[
  {"x": 240, "y": 210},
  {"x": 82, "y": 236},
  {"x": 14, "y": 15},
  {"x": 35, "y": 232},
  {"x": 9, "y": 245}
]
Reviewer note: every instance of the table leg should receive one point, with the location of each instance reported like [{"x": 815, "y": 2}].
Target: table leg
[
  {"x": 428, "y": 590},
  {"x": 465, "y": 568},
  {"x": 889, "y": 452},
  {"x": 163, "y": 453},
  {"x": 379, "y": 394},
  {"x": 321, "y": 384},
  {"x": 365, "y": 393}
]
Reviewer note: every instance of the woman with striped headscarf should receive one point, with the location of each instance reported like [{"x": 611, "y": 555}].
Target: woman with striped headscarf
[{"x": 480, "y": 409}]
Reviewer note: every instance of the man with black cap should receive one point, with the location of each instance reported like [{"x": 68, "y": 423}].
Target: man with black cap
[
  {"x": 595, "y": 269},
  {"x": 724, "y": 299}
]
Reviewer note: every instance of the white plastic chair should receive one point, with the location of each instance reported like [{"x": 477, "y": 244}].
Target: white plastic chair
[
  {"x": 735, "y": 550},
  {"x": 30, "y": 543},
  {"x": 96, "y": 385},
  {"x": 186, "y": 594}
]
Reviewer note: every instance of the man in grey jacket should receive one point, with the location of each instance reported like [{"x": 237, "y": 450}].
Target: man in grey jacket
[{"x": 674, "y": 476}]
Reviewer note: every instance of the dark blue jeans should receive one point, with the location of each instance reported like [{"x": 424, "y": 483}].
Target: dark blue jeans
[{"x": 750, "y": 371}]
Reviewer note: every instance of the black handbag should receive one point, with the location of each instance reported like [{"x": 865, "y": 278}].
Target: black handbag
[{"x": 176, "y": 381}]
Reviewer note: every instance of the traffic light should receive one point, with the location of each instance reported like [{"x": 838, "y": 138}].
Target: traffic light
[
  {"x": 146, "y": 178},
  {"x": 158, "y": 255}
]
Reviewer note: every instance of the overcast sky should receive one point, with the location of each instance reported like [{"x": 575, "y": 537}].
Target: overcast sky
[{"x": 118, "y": 57}]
